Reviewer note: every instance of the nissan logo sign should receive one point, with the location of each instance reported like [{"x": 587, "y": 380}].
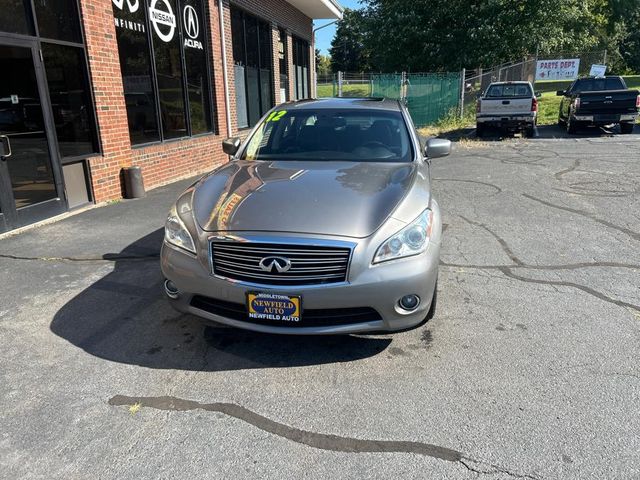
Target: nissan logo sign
[{"x": 160, "y": 19}]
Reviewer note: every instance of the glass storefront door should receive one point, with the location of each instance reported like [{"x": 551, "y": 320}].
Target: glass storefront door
[{"x": 30, "y": 187}]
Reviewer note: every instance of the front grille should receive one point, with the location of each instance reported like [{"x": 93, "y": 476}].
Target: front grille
[
  {"x": 310, "y": 318},
  {"x": 310, "y": 264}
]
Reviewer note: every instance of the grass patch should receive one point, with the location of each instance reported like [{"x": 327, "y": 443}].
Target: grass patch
[
  {"x": 357, "y": 90},
  {"x": 548, "y": 108},
  {"x": 451, "y": 122}
]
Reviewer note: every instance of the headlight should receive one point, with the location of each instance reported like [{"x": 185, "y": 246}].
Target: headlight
[
  {"x": 411, "y": 240},
  {"x": 176, "y": 233}
]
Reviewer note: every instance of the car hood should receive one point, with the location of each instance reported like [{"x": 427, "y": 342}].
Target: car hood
[{"x": 328, "y": 198}]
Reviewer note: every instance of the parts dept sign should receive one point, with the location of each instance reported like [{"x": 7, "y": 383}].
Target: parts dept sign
[
  {"x": 558, "y": 69},
  {"x": 162, "y": 19}
]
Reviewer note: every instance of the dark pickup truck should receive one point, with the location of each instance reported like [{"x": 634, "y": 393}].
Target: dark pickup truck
[{"x": 598, "y": 101}]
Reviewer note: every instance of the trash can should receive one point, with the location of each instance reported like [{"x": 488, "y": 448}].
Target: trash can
[{"x": 133, "y": 182}]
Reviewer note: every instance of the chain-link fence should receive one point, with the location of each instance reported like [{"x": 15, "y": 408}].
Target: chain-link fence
[
  {"x": 477, "y": 80},
  {"x": 431, "y": 97}
]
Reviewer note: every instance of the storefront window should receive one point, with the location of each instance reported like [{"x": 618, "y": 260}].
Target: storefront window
[
  {"x": 166, "y": 79},
  {"x": 301, "y": 68},
  {"x": 196, "y": 67},
  {"x": 166, "y": 46},
  {"x": 58, "y": 19},
  {"x": 253, "y": 59},
  {"x": 137, "y": 79},
  {"x": 70, "y": 95},
  {"x": 16, "y": 15}
]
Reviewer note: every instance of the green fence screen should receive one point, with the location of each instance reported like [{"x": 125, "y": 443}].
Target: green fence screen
[
  {"x": 429, "y": 96},
  {"x": 387, "y": 86}
]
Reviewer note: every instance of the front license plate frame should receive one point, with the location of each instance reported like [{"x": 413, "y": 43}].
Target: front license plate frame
[{"x": 272, "y": 307}]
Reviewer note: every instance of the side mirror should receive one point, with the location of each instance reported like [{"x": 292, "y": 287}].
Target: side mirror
[
  {"x": 230, "y": 146},
  {"x": 437, "y": 147},
  {"x": 561, "y": 93},
  {"x": 5, "y": 147}
]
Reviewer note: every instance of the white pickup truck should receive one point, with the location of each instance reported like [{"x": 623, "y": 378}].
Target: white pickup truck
[{"x": 509, "y": 106}]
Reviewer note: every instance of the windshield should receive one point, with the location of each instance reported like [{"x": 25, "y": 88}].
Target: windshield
[
  {"x": 519, "y": 90},
  {"x": 598, "y": 84},
  {"x": 331, "y": 135}
]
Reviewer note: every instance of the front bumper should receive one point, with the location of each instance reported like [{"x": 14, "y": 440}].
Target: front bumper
[{"x": 379, "y": 287}]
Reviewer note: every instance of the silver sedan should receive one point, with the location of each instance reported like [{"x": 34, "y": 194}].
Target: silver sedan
[{"x": 323, "y": 222}]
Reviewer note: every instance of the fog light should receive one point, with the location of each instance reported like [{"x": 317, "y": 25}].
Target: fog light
[
  {"x": 410, "y": 302},
  {"x": 171, "y": 290}
]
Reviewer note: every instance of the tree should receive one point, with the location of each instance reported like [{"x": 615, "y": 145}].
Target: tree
[
  {"x": 323, "y": 64},
  {"x": 437, "y": 35},
  {"x": 348, "y": 50}
]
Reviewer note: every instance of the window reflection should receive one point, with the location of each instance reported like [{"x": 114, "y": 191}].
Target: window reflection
[
  {"x": 135, "y": 64},
  {"x": 58, "y": 19},
  {"x": 15, "y": 17},
  {"x": 70, "y": 99},
  {"x": 196, "y": 67}
]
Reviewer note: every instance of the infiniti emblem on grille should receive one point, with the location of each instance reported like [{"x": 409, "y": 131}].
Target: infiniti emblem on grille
[{"x": 279, "y": 264}]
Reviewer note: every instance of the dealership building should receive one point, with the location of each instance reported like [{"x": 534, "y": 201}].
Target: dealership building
[{"x": 93, "y": 87}]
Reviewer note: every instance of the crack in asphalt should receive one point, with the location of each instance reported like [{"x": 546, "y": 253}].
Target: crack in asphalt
[
  {"x": 631, "y": 233},
  {"x": 560, "y": 283},
  {"x": 568, "y": 266},
  {"x": 507, "y": 270},
  {"x": 334, "y": 443},
  {"x": 576, "y": 164},
  {"x": 106, "y": 258},
  {"x": 498, "y": 238}
]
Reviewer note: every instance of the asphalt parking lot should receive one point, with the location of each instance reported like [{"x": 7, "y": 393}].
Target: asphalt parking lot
[{"x": 528, "y": 370}]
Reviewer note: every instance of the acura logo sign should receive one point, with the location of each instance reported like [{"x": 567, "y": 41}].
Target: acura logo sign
[
  {"x": 275, "y": 264},
  {"x": 190, "y": 18},
  {"x": 191, "y": 27}
]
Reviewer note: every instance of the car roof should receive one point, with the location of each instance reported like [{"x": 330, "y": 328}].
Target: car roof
[
  {"x": 368, "y": 103},
  {"x": 519, "y": 82}
]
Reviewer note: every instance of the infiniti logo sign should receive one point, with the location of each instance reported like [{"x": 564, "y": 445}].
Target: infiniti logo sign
[{"x": 279, "y": 264}]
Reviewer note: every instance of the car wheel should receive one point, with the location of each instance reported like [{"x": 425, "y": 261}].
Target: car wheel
[
  {"x": 530, "y": 132},
  {"x": 572, "y": 126},
  {"x": 480, "y": 131},
  {"x": 432, "y": 309},
  {"x": 562, "y": 123},
  {"x": 626, "y": 128}
]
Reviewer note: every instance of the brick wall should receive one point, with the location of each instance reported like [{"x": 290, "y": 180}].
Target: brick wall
[{"x": 169, "y": 161}]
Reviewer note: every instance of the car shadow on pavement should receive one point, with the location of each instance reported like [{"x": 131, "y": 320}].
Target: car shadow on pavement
[{"x": 124, "y": 317}]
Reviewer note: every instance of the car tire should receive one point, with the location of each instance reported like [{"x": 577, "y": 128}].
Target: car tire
[
  {"x": 530, "y": 132},
  {"x": 626, "y": 128},
  {"x": 562, "y": 123},
  {"x": 480, "y": 131},
  {"x": 434, "y": 301},
  {"x": 572, "y": 127}
]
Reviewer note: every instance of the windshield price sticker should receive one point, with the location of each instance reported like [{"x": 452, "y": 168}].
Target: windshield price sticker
[{"x": 276, "y": 116}]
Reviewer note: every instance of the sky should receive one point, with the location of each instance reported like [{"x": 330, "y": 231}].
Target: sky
[{"x": 324, "y": 36}]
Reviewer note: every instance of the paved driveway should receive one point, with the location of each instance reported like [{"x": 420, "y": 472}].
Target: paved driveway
[{"x": 529, "y": 370}]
